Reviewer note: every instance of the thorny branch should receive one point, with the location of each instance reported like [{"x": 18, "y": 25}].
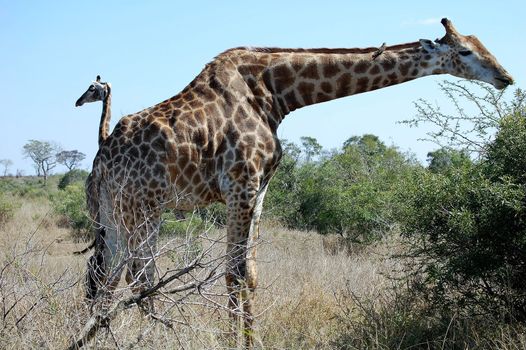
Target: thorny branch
[{"x": 477, "y": 110}]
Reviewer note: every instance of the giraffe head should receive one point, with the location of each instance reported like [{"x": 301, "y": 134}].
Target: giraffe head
[
  {"x": 465, "y": 57},
  {"x": 97, "y": 91}
]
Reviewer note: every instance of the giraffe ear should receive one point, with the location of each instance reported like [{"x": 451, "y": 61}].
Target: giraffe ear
[
  {"x": 429, "y": 45},
  {"x": 98, "y": 78}
]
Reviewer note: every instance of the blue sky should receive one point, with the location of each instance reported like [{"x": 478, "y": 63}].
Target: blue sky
[{"x": 149, "y": 50}]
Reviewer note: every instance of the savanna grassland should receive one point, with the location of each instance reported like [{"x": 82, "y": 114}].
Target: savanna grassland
[{"x": 360, "y": 248}]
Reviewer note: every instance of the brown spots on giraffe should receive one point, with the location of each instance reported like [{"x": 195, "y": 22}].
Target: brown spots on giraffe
[
  {"x": 306, "y": 90},
  {"x": 173, "y": 172},
  {"x": 151, "y": 159},
  {"x": 424, "y": 64},
  {"x": 310, "y": 71},
  {"x": 148, "y": 133},
  {"x": 388, "y": 64},
  {"x": 189, "y": 170},
  {"x": 291, "y": 100},
  {"x": 144, "y": 150},
  {"x": 414, "y": 73},
  {"x": 343, "y": 85},
  {"x": 133, "y": 152},
  {"x": 393, "y": 78},
  {"x": 158, "y": 144},
  {"x": 283, "y": 105},
  {"x": 231, "y": 135},
  {"x": 326, "y": 87},
  {"x": 377, "y": 80},
  {"x": 362, "y": 85},
  {"x": 362, "y": 66},
  {"x": 240, "y": 115},
  {"x": 404, "y": 68},
  {"x": 200, "y": 189},
  {"x": 321, "y": 97},
  {"x": 251, "y": 69},
  {"x": 195, "y": 103},
  {"x": 283, "y": 77},
  {"x": 196, "y": 179},
  {"x": 200, "y": 138},
  {"x": 154, "y": 183},
  {"x": 375, "y": 69},
  {"x": 236, "y": 171},
  {"x": 114, "y": 151},
  {"x": 205, "y": 93},
  {"x": 330, "y": 70}
]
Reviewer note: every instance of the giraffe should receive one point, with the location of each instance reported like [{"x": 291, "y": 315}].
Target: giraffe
[
  {"x": 99, "y": 91},
  {"x": 216, "y": 141}
]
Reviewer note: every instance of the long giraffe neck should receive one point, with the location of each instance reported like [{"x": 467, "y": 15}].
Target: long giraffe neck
[
  {"x": 301, "y": 77},
  {"x": 104, "y": 126}
]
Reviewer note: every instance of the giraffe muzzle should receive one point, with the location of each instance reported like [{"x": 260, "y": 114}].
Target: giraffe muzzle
[{"x": 503, "y": 81}]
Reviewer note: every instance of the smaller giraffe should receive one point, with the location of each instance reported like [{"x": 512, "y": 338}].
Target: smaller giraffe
[{"x": 99, "y": 91}]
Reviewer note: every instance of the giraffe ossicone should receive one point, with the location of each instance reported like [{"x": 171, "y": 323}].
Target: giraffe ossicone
[{"x": 216, "y": 141}]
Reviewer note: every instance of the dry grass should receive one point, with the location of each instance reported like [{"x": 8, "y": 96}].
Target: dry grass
[{"x": 312, "y": 294}]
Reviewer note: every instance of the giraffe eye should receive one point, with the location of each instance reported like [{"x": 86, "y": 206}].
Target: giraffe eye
[{"x": 465, "y": 52}]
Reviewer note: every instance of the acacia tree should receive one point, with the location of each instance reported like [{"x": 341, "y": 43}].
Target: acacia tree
[
  {"x": 467, "y": 219},
  {"x": 42, "y": 153},
  {"x": 6, "y": 163},
  {"x": 70, "y": 159}
]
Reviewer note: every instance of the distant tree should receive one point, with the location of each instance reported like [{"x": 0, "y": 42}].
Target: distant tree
[
  {"x": 368, "y": 144},
  {"x": 311, "y": 147},
  {"x": 444, "y": 159},
  {"x": 70, "y": 159},
  {"x": 290, "y": 149},
  {"x": 6, "y": 163},
  {"x": 42, "y": 153}
]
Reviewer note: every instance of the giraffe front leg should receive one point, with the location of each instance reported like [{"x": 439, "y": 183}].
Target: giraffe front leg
[
  {"x": 236, "y": 279},
  {"x": 251, "y": 268},
  {"x": 241, "y": 276}
]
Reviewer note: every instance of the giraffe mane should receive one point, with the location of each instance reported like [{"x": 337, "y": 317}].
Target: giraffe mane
[{"x": 326, "y": 50}]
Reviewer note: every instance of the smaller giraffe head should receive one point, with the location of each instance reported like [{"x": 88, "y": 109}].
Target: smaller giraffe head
[
  {"x": 97, "y": 91},
  {"x": 466, "y": 57}
]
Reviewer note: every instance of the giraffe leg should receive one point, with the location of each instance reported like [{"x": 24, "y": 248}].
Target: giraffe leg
[
  {"x": 241, "y": 274},
  {"x": 95, "y": 273},
  {"x": 251, "y": 268},
  {"x": 106, "y": 264},
  {"x": 141, "y": 267}
]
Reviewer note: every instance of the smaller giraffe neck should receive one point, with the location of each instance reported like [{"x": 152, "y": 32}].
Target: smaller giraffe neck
[{"x": 104, "y": 127}]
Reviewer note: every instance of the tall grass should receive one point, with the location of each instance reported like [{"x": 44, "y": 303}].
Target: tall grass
[{"x": 311, "y": 295}]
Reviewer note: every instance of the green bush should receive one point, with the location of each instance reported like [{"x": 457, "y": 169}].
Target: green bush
[
  {"x": 350, "y": 192},
  {"x": 7, "y": 210},
  {"x": 214, "y": 213},
  {"x": 70, "y": 203},
  {"x": 26, "y": 187},
  {"x": 469, "y": 227},
  {"x": 171, "y": 225},
  {"x": 73, "y": 176}
]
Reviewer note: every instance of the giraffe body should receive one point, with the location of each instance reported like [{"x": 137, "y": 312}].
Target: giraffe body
[{"x": 217, "y": 141}]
